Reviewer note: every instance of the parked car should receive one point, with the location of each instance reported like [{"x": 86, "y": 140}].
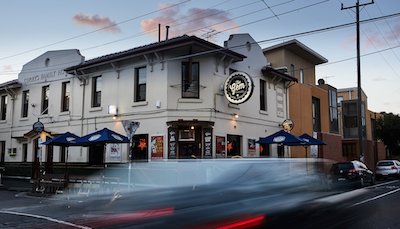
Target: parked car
[
  {"x": 351, "y": 173},
  {"x": 387, "y": 168}
]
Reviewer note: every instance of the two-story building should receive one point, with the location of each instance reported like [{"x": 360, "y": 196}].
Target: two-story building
[{"x": 191, "y": 97}]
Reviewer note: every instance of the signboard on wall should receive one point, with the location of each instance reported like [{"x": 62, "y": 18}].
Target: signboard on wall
[
  {"x": 220, "y": 147},
  {"x": 172, "y": 143},
  {"x": 114, "y": 152},
  {"x": 157, "y": 147},
  {"x": 251, "y": 148},
  {"x": 238, "y": 87},
  {"x": 207, "y": 143}
]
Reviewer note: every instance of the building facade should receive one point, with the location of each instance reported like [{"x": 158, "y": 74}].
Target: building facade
[
  {"x": 312, "y": 107},
  {"x": 192, "y": 99},
  {"x": 373, "y": 149}
]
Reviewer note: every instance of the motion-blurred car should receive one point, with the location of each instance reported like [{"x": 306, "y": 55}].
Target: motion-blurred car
[
  {"x": 387, "y": 168},
  {"x": 230, "y": 193},
  {"x": 354, "y": 173}
]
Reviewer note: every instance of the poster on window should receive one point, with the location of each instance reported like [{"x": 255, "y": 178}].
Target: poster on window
[
  {"x": 114, "y": 152},
  {"x": 251, "y": 149},
  {"x": 220, "y": 147},
  {"x": 157, "y": 147}
]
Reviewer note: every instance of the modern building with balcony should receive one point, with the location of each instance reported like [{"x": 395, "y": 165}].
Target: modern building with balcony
[
  {"x": 312, "y": 107},
  {"x": 373, "y": 149}
]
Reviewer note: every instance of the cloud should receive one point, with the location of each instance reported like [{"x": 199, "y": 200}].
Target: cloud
[
  {"x": 7, "y": 68},
  {"x": 195, "y": 21},
  {"x": 97, "y": 22},
  {"x": 379, "y": 79}
]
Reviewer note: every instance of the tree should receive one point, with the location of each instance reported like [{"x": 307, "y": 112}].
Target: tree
[{"x": 388, "y": 130}]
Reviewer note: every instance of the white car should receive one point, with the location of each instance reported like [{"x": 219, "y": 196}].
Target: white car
[{"x": 387, "y": 168}]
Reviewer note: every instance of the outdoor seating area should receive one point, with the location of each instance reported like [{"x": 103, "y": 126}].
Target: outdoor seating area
[{"x": 75, "y": 185}]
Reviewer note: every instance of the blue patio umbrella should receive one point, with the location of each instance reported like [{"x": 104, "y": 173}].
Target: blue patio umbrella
[
  {"x": 308, "y": 140},
  {"x": 66, "y": 139},
  {"x": 102, "y": 136},
  {"x": 281, "y": 137}
]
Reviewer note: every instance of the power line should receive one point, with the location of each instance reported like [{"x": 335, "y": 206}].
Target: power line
[
  {"x": 299, "y": 35},
  {"x": 94, "y": 31}
]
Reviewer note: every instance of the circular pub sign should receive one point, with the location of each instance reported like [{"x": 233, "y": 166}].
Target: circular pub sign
[
  {"x": 38, "y": 127},
  {"x": 238, "y": 87}
]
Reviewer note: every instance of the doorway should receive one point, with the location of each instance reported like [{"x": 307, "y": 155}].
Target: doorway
[
  {"x": 189, "y": 150},
  {"x": 96, "y": 154}
]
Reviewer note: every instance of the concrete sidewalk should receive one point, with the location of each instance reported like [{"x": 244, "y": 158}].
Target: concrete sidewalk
[{"x": 20, "y": 184}]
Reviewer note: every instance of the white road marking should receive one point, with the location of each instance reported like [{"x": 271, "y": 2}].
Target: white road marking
[
  {"x": 45, "y": 218},
  {"x": 376, "y": 197}
]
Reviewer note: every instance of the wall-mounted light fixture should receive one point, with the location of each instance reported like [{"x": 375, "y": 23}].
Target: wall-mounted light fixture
[
  {"x": 112, "y": 109},
  {"x": 236, "y": 116},
  {"x": 192, "y": 127}
]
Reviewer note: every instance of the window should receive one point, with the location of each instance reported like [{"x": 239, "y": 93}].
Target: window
[
  {"x": 24, "y": 152},
  {"x": 301, "y": 75},
  {"x": 25, "y": 104},
  {"x": 3, "y": 107},
  {"x": 190, "y": 80},
  {"x": 140, "y": 84},
  {"x": 234, "y": 145},
  {"x": 96, "y": 91},
  {"x": 333, "y": 112},
  {"x": 65, "y": 96},
  {"x": 292, "y": 70},
  {"x": 45, "y": 99},
  {"x": 263, "y": 95},
  {"x": 339, "y": 101},
  {"x": 316, "y": 114}
]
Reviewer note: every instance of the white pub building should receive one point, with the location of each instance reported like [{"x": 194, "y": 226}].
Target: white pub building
[{"x": 192, "y": 98}]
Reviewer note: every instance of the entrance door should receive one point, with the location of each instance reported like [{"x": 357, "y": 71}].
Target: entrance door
[
  {"x": 189, "y": 150},
  {"x": 3, "y": 151},
  {"x": 49, "y": 160},
  {"x": 96, "y": 154}
]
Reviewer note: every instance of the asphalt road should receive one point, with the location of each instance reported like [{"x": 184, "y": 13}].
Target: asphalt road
[{"x": 369, "y": 207}]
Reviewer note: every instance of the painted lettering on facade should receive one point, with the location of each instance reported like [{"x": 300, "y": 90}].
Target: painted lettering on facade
[{"x": 44, "y": 77}]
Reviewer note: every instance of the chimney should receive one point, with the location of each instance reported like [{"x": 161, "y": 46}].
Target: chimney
[
  {"x": 159, "y": 32},
  {"x": 166, "y": 34}
]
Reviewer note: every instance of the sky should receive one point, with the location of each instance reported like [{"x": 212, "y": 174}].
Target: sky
[{"x": 100, "y": 27}]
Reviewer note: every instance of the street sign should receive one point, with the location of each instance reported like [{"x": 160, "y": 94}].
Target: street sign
[{"x": 130, "y": 127}]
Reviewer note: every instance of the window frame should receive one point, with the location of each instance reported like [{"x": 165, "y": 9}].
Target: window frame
[
  {"x": 4, "y": 101},
  {"x": 263, "y": 95},
  {"x": 25, "y": 104},
  {"x": 139, "y": 97},
  {"x": 187, "y": 68},
  {"x": 316, "y": 114},
  {"x": 65, "y": 96},
  {"x": 45, "y": 99},
  {"x": 96, "y": 91}
]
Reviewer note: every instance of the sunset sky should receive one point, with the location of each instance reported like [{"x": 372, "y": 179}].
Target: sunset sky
[{"x": 100, "y": 27}]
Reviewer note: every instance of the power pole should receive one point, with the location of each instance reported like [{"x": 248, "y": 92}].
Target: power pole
[{"x": 359, "y": 99}]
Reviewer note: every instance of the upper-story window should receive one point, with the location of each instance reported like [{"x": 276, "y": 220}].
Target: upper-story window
[
  {"x": 301, "y": 75},
  {"x": 333, "y": 111},
  {"x": 190, "y": 80},
  {"x": 96, "y": 91},
  {"x": 45, "y": 99},
  {"x": 292, "y": 70},
  {"x": 65, "y": 96},
  {"x": 140, "y": 84},
  {"x": 25, "y": 104},
  {"x": 3, "y": 107},
  {"x": 316, "y": 114},
  {"x": 263, "y": 95}
]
